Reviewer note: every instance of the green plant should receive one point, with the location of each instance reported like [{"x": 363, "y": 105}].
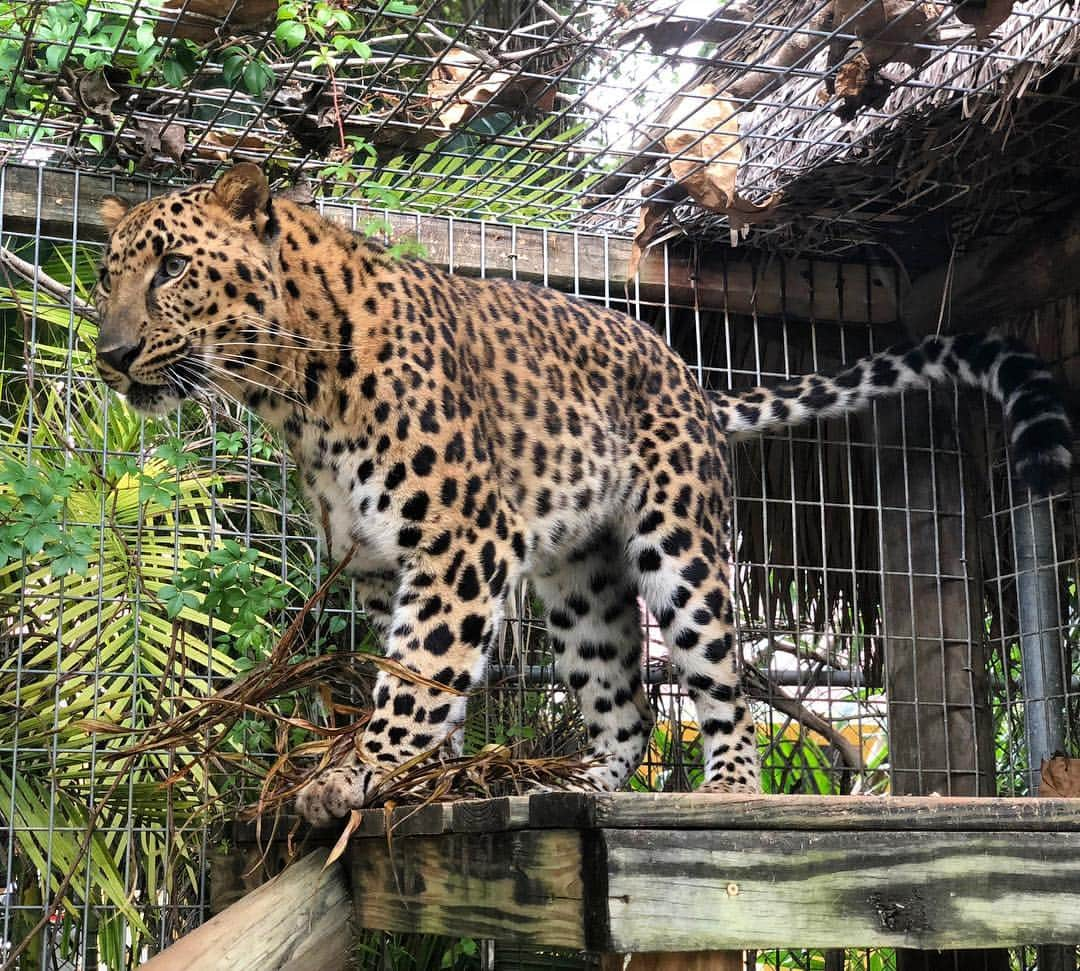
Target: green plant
[
  {"x": 417, "y": 952},
  {"x": 117, "y": 609}
]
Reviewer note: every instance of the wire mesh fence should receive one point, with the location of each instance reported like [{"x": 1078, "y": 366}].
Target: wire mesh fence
[
  {"x": 885, "y": 594},
  {"x": 603, "y": 116}
]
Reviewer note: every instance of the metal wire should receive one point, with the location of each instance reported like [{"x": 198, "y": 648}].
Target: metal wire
[{"x": 789, "y": 138}]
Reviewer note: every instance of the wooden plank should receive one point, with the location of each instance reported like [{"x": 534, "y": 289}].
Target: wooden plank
[
  {"x": 294, "y": 922},
  {"x": 745, "y": 889},
  {"x": 706, "y": 811},
  {"x": 590, "y": 264},
  {"x": 527, "y": 887},
  {"x": 689, "y": 810}
]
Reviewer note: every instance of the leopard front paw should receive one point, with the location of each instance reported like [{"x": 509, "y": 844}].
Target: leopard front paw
[{"x": 335, "y": 792}]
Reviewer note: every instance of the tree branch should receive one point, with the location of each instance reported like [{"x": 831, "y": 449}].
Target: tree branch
[
  {"x": 40, "y": 278},
  {"x": 761, "y": 687}
]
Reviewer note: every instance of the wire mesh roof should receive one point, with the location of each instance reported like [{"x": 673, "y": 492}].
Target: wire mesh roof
[{"x": 823, "y": 124}]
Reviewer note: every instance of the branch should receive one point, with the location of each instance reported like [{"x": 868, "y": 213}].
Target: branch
[
  {"x": 663, "y": 32},
  {"x": 40, "y": 278},
  {"x": 761, "y": 687},
  {"x": 801, "y": 42}
]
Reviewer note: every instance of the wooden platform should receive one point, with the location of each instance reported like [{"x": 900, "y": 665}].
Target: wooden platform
[{"x": 633, "y": 872}]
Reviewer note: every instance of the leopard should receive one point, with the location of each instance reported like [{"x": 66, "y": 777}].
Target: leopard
[{"x": 459, "y": 436}]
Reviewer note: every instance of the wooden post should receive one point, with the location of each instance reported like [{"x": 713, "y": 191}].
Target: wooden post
[
  {"x": 940, "y": 726},
  {"x": 298, "y": 921}
]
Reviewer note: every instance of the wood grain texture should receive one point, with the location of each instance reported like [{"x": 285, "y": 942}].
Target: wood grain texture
[
  {"x": 688, "y": 810},
  {"x": 929, "y": 814},
  {"x": 295, "y": 922},
  {"x": 819, "y": 290},
  {"x": 525, "y": 887},
  {"x": 739, "y": 889}
]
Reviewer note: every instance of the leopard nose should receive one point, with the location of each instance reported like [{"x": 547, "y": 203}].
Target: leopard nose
[{"x": 119, "y": 358}]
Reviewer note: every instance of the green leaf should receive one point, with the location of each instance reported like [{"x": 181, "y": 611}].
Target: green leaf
[
  {"x": 144, "y": 36},
  {"x": 233, "y": 63},
  {"x": 54, "y": 55},
  {"x": 290, "y": 34},
  {"x": 174, "y": 72},
  {"x": 257, "y": 77}
]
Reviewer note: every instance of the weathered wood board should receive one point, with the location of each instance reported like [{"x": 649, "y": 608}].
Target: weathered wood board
[
  {"x": 523, "y": 886},
  {"x": 690, "y": 810},
  {"x": 760, "y": 889},
  {"x": 632, "y": 872},
  {"x": 49, "y": 203},
  {"x": 294, "y": 922}
]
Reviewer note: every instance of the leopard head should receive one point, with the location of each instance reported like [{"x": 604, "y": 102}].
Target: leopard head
[{"x": 186, "y": 296}]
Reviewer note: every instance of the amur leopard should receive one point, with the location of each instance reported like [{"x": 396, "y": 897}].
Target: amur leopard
[{"x": 456, "y": 436}]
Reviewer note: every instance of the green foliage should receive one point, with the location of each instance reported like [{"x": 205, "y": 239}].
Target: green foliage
[
  {"x": 417, "y": 952},
  {"x": 117, "y": 610}
]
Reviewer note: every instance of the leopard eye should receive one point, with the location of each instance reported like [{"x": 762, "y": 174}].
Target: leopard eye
[
  {"x": 104, "y": 280},
  {"x": 173, "y": 265}
]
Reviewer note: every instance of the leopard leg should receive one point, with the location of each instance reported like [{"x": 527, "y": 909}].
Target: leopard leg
[
  {"x": 376, "y": 592},
  {"x": 683, "y": 577},
  {"x": 595, "y": 629},
  {"x": 445, "y": 617}
]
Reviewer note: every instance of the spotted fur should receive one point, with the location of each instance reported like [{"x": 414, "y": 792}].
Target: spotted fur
[{"x": 456, "y": 436}]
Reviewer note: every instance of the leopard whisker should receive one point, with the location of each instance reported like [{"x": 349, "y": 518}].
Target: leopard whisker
[
  {"x": 241, "y": 377},
  {"x": 260, "y": 325},
  {"x": 203, "y": 384}
]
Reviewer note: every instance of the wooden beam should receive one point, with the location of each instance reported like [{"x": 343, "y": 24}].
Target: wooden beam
[
  {"x": 295, "y": 922},
  {"x": 743, "y": 872},
  {"x": 819, "y": 890},
  {"x": 691, "y": 810},
  {"x": 49, "y": 203},
  {"x": 527, "y": 887},
  {"x": 1002, "y": 277}
]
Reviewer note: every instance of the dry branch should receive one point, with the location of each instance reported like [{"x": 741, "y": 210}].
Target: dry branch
[
  {"x": 38, "y": 277},
  {"x": 760, "y": 687}
]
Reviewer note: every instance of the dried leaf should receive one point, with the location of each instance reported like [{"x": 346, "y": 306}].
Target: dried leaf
[
  {"x": 342, "y": 843},
  {"x": 95, "y": 95},
  {"x": 709, "y": 154},
  {"x": 667, "y": 28},
  {"x": 889, "y": 30},
  {"x": 157, "y": 137},
  {"x": 648, "y": 218},
  {"x": 1060, "y": 778},
  {"x": 465, "y": 89},
  {"x": 202, "y": 20},
  {"x": 984, "y": 17},
  {"x": 222, "y": 145},
  {"x": 852, "y": 77}
]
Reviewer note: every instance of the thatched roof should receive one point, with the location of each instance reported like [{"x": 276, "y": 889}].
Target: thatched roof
[
  {"x": 871, "y": 117},
  {"x": 958, "y": 133}
]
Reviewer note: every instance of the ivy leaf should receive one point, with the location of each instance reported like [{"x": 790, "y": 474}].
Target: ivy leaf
[
  {"x": 175, "y": 600},
  {"x": 69, "y": 561},
  {"x": 257, "y": 77},
  {"x": 54, "y": 55},
  {"x": 232, "y": 64},
  {"x": 290, "y": 34},
  {"x": 144, "y": 36}
]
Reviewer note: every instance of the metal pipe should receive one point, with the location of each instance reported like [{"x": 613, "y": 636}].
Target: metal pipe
[{"x": 1040, "y": 635}]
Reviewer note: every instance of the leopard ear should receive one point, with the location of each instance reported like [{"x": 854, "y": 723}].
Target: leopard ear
[
  {"x": 113, "y": 209},
  {"x": 243, "y": 191}
]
